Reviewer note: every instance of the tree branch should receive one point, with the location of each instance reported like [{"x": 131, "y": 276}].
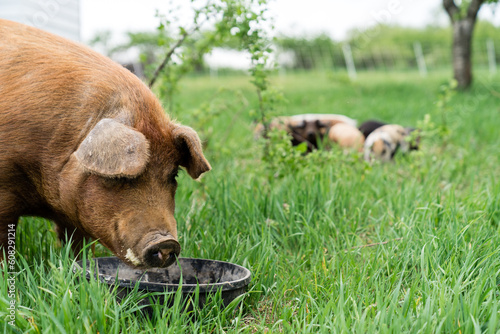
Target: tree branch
[
  {"x": 451, "y": 8},
  {"x": 473, "y": 9},
  {"x": 170, "y": 52}
]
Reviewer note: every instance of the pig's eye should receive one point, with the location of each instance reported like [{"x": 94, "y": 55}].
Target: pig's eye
[
  {"x": 113, "y": 183},
  {"x": 109, "y": 182}
]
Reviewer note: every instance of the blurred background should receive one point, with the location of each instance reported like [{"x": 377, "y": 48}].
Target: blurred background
[{"x": 318, "y": 34}]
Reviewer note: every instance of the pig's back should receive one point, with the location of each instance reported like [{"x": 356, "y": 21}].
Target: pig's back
[{"x": 44, "y": 77}]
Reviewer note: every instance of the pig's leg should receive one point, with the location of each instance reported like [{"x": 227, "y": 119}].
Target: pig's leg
[{"x": 64, "y": 233}]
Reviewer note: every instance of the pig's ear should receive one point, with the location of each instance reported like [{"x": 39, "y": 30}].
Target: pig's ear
[
  {"x": 112, "y": 149},
  {"x": 189, "y": 145}
]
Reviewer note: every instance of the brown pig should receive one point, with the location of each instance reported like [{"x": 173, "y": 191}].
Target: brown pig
[{"x": 85, "y": 143}]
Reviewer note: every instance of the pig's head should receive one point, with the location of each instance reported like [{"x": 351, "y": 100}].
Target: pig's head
[
  {"x": 307, "y": 131},
  {"x": 120, "y": 186}
]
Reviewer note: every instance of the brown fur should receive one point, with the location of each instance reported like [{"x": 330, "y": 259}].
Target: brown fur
[{"x": 53, "y": 93}]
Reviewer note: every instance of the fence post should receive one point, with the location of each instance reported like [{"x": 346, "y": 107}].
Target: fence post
[
  {"x": 349, "y": 61},
  {"x": 491, "y": 56},
  {"x": 277, "y": 52},
  {"x": 214, "y": 72},
  {"x": 419, "y": 55}
]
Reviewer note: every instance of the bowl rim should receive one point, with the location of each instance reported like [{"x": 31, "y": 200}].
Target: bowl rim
[{"x": 167, "y": 287}]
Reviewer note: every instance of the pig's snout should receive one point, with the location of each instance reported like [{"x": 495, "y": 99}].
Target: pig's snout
[
  {"x": 311, "y": 136},
  {"x": 161, "y": 252}
]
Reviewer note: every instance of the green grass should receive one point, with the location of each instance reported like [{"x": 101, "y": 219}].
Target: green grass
[{"x": 334, "y": 245}]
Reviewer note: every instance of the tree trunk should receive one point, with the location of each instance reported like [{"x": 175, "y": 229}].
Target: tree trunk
[
  {"x": 463, "y": 26},
  {"x": 462, "y": 50}
]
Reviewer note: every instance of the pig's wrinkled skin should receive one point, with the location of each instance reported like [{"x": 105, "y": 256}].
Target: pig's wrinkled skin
[{"x": 85, "y": 143}]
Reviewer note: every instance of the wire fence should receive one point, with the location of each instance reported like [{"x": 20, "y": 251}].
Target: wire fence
[{"x": 409, "y": 56}]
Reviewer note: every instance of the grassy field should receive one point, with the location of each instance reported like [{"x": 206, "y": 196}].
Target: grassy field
[{"x": 334, "y": 245}]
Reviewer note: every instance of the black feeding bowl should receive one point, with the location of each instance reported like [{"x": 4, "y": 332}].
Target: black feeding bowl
[{"x": 209, "y": 276}]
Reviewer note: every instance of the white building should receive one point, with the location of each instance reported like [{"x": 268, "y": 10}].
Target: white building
[{"x": 61, "y": 17}]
